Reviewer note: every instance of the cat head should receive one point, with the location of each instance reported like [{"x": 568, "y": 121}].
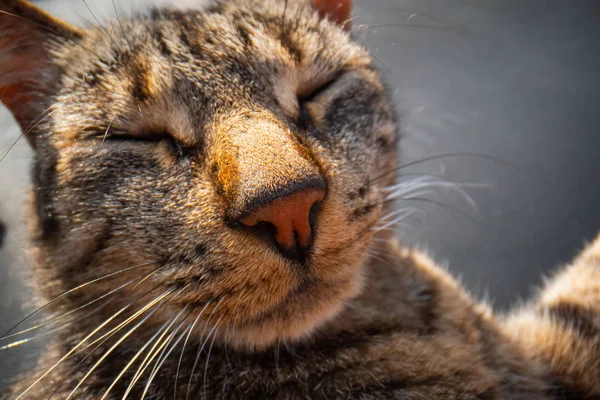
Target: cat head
[{"x": 222, "y": 161}]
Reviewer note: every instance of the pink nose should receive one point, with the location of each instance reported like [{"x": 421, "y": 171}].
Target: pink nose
[{"x": 290, "y": 215}]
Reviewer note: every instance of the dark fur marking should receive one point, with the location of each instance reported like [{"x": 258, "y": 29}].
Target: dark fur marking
[
  {"x": 94, "y": 76},
  {"x": 361, "y": 212},
  {"x": 200, "y": 250},
  {"x": 2, "y": 234},
  {"x": 243, "y": 34},
  {"x": 44, "y": 187},
  {"x": 575, "y": 317},
  {"x": 428, "y": 296},
  {"x": 158, "y": 36},
  {"x": 377, "y": 388},
  {"x": 100, "y": 243},
  {"x": 332, "y": 345},
  {"x": 291, "y": 47},
  {"x": 563, "y": 391},
  {"x": 140, "y": 90}
]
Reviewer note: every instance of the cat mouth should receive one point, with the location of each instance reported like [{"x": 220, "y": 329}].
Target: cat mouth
[{"x": 293, "y": 318}]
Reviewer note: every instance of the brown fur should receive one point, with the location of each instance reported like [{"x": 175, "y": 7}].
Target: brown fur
[{"x": 153, "y": 142}]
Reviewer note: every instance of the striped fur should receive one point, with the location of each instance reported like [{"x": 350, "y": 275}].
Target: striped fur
[{"x": 149, "y": 141}]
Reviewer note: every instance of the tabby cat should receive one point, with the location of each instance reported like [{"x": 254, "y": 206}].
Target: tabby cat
[{"x": 206, "y": 211}]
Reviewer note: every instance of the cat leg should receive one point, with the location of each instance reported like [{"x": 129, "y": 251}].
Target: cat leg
[{"x": 562, "y": 326}]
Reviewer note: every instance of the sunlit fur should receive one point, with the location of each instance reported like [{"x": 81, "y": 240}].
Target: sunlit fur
[
  {"x": 152, "y": 139},
  {"x": 224, "y": 83}
]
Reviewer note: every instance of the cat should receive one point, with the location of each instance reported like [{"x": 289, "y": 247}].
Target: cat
[{"x": 207, "y": 191}]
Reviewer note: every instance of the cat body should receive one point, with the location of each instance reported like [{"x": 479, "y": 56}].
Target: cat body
[{"x": 207, "y": 186}]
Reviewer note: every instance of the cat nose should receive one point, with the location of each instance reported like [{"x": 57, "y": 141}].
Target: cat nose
[{"x": 292, "y": 216}]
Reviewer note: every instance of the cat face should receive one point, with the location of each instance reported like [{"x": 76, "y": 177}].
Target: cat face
[{"x": 224, "y": 159}]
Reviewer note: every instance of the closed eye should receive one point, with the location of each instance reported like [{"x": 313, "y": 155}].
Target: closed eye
[
  {"x": 304, "y": 116},
  {"x": 313, "y": 93},
  {"x": 174, "y": 145}
]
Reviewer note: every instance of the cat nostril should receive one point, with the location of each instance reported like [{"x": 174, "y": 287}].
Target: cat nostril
[{"x": 293, "y": 218}]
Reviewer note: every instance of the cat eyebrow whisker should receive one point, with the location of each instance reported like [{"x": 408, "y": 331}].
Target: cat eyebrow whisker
[
  {"x": 405, "y": 25},
  {"x": 121, "y": 26},
  {"x": 105, "y": 134},
  {"x": 413, "y": 14},
  {"x": 99, "y": 24},
  {"x": 35, "y": 123}
]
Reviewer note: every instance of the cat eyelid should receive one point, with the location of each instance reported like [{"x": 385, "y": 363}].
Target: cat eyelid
[
  {"x": 311, "y": 94},
  {"x": 110, "y": 133},
  {"x": 116, "y": 135}
]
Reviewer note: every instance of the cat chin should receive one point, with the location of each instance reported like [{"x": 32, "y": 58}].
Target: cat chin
[{"x": 292, "y": 321}]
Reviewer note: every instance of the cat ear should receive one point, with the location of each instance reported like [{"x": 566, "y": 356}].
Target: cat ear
[
  {"x": 27, "y": 72},
  {"x": 336, "y": 10}
]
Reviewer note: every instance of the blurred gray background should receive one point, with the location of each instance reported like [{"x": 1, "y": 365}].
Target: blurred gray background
[{"x": 515, "y": 80}]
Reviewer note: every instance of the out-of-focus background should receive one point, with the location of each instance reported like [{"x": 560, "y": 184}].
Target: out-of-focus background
[{"x": 510, "y": 87}]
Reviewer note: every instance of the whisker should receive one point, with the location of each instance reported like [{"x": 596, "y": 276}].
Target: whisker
[
  {"x": 163, "y": 348},
  {"x": 183, "y": 349},
  {"x": 99, "y": 24},
  {"x": 406, "y": 25},
  {"x": 72, "y": 350},
  {"x": 105, "y": 134},
  {"x": 121, "y": 26},
  {"x": 27, "y": 340},
  {"x": 446, "y": 207},
  {"x": 131, "y": 361},
  {"x": 102, "y": 339},
  {"x": 162, "y": 330},
  {"x": 47, "y": 28},
  {"x": 161, "y": 359},
  {"x": 72, "y": 311},
  {"x": 486, "y": 157},
  {"x": 49, "y": 111},
  {"x": 208, "y": 356},
  {"x": 414, "y": 14},
  {"x": 407, "y": 188},
  {"x": 75, "y": 289},
  {"x": 153, "y": 352},
  {"x": 187, "y": 394},
  {"x": 107, "y": 353},
  {"x": 404, "y": 214}
]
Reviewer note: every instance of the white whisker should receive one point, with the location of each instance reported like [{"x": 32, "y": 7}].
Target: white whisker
[
  {"x": 208, "y": 356},
  {"x": 187, "y": 394},
  {"x": 123, "y": 324},
  {"x": 183, "y": 348}
]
